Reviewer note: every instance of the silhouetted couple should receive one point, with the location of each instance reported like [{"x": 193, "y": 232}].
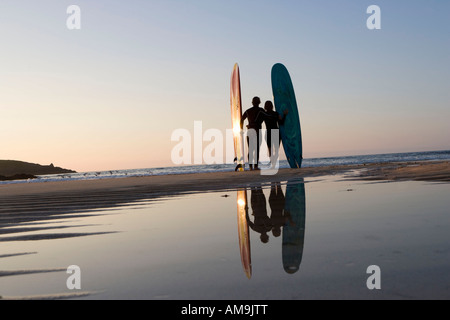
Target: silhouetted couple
[
  {"x": 262, "y": 223},
  {"x": 255, "y": 117}
]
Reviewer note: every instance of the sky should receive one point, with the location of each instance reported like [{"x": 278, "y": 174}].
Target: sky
[{"x": 110, "y": 94}]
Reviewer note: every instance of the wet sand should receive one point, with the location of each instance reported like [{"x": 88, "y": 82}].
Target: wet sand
[
  {"x": 186, "y": 183},
  {"x": 417, "y": 171},
  {"x": 67, "y": 213}
]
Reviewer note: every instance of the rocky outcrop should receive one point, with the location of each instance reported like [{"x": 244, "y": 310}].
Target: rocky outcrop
[
  {"x": 14, "y": 170},
  {"x": 18, "y": 177}
]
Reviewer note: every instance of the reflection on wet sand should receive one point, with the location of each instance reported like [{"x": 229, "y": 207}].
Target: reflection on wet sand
[
  {"x": 58, "y": 296},
  {"x": 287, "y": 218},
  {"x": 294, "y": 229},
  {"x": 50, "y": 217},
  {"x": 37, "y": 217},
  {"x": 10, "y": 273},
  {"x": 243, "y": 231},
  {"x": 261, "y": 221},
  {"x": 33, "y": 213}
]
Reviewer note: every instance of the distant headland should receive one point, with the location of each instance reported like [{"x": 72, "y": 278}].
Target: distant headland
[{"x": 19, "y": 170}]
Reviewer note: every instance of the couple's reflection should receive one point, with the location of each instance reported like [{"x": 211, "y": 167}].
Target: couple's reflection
[{"x": 287, "y": 217}]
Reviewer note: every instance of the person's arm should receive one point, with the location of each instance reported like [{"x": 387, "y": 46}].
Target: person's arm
[
  {"x": 249, "y": 222},
  {"x": 244, "y": 116},
  {"x": 282, "y": 119},
  {"x": 264, "y": 115}
]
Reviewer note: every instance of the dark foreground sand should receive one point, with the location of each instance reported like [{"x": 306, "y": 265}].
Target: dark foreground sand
[
  {"x": 185, "y": 183},
  {"x": 25, "y": 206}
]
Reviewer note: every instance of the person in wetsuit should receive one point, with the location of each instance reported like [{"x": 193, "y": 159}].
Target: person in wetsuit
[
  {"x": 273, "y": 120},
  {"x": 255, "y": 116}
]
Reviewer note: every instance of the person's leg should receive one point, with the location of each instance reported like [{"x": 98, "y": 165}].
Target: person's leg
[
  {"x": 258, "y": 145},
  {"x": 248, "y": 154},
  {"x": 252, "y": 141},
  {"x": 269, "y": 141}
]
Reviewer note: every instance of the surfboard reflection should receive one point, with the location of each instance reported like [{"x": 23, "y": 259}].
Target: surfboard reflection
[
  {"x": 287, "y": 219},
  {"x": 243, "y": 232},
  {"x": 294, "y": 229}
]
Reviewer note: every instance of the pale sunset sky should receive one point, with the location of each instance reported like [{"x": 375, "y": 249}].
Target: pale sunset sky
[{"x": 109, "y": 95}]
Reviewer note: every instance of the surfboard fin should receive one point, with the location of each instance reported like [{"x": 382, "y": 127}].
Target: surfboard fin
[{"x": 235, "y": 159}]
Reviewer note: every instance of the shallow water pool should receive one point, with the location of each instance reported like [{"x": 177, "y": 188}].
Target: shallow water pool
[{"x": 312, "y": 239}]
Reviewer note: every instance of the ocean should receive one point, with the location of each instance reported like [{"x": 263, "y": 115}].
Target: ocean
[{"x": 312, "y": 162}]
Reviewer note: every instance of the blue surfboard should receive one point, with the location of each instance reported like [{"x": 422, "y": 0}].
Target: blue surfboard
[
  {"x": 284, "y": 98},
  {"x": 294, "y": 230}
]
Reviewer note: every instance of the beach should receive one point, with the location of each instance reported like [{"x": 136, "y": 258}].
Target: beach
[
  {"x": 179, "y": 183},
  {"x": 175, "y": 236}
]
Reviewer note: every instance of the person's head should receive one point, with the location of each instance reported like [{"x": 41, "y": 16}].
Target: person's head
[
  {"x": 256, "y": 101},
  {"x": 268, "y": 106},
  {"x": 276, "y": 231}
]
